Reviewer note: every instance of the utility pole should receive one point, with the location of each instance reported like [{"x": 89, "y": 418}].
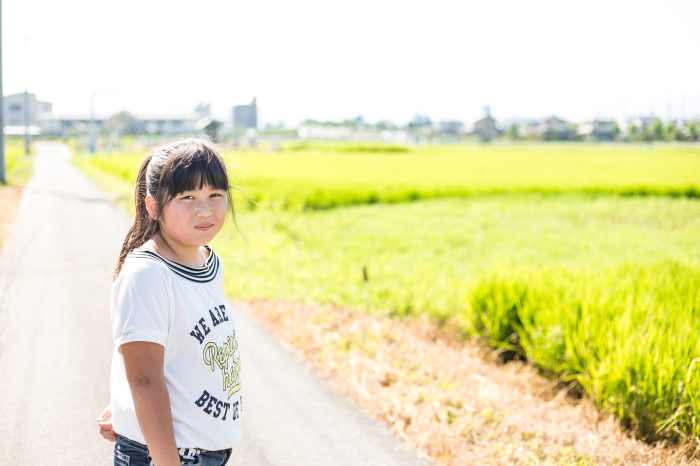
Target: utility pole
[
  {"x": 26, "y": 122},
  {"x": 26, "y": 92},
  {"x": 2, "y": 118},
  {"x": 91, "y": 129}
]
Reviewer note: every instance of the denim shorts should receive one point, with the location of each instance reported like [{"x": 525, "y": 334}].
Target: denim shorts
[{"x": 130, "y": 453}]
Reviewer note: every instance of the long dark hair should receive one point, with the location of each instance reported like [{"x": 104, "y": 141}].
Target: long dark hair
[{"x": 166, "y": 171}]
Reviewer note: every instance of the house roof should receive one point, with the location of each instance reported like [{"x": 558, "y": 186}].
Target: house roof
[
  {"x": 553, "y": 119},
  {"x": 487, "y": 117},
  {"x": 203, "y": 123},
  {"x": 603, "y": 120}
]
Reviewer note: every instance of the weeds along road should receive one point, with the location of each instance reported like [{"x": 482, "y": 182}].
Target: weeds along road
[{"x": 56, "y": 347}]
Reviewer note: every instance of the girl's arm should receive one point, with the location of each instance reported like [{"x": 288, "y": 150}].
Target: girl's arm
[{"x": 144, "y": 371}]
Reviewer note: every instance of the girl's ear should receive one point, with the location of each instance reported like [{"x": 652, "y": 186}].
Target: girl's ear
[{"x": 151, "y": 206}]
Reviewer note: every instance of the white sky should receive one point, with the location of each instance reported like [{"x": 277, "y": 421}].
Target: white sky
[{"x": 381, "y": 59}]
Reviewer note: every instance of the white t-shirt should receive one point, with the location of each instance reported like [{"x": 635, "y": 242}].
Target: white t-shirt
[{"x": 183, "y": 309}]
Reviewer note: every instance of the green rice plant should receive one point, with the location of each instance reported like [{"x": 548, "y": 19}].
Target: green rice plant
[
  {"x": 121, "y": 165},
  {"x": 627, "y": 333},
  {"x": 318, "y": 180},
  {"x": 310, "y": 178},
  {"x": 497, "y": 313}
]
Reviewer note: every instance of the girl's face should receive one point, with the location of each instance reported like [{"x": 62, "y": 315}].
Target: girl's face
[{"x": 193, "y": 218}]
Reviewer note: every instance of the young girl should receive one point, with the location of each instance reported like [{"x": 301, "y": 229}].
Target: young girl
[{"x": 176, "y": 368}]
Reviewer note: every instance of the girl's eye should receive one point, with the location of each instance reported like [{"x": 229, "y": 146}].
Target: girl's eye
[{"x": 191, "y": 197}]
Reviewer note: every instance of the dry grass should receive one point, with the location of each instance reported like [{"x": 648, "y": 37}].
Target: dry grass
[
  {"x": 10, "y": 197},
  {"x": 453, "y": 401}
]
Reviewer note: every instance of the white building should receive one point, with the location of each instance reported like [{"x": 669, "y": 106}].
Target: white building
[
  {"x": 600, "y": 129},
  {"x": 349, "y": 133},
  {"x": 641, "y": 122},
  {"x": 22, "y": 110},
  {"x": 554, "y": 129}
]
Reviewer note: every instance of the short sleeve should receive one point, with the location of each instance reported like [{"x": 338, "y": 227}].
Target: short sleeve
[
  {"x": 221, "y": 268},
  {"x": 140, "y": 303}
]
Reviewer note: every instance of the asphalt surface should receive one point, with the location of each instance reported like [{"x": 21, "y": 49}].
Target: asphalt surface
[{"x": 56, "y": 346}]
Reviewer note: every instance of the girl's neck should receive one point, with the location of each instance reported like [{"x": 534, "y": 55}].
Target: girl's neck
[{"x": 191, "y": 256}]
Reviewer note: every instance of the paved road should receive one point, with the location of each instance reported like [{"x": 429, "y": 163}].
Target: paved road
[{"x": 55, "y": 347}]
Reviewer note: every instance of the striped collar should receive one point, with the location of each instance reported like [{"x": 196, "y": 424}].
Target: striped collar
[{"x": 195, "y": 274}]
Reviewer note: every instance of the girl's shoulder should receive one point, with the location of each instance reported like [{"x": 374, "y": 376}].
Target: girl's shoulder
[{"x": 141, "y": 265}]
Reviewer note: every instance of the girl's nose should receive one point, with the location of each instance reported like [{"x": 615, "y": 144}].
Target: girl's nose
[{"x": 203, "y": 210}]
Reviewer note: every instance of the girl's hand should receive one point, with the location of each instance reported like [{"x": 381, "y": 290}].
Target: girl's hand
[{"x": 104, "y": 424}]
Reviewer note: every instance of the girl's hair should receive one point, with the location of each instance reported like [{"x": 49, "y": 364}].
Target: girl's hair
[{"x": 165, "y": 172}]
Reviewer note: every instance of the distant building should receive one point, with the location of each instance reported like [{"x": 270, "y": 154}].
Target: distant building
[
  {"x": 122, "y": 123},
  {"x": 641, "y": 122},
  {"x": 209, "y": 127},
  {"x": 486, "y": 128},
  {"x": 600, "y": 129},
  {"x": 169, "y": 124},
  {"x": 66, "y": 125},
  {"x": 203, "y": 109},
  {"x": 348, "y": 133},
  {"x": 14, "y": 113},
  {"x": 448, "y": 127},
  {"x": 419, "y": 121},
  {"x": 245, "y": 116},
  {"x": 525, "y": 127},
  {"x": 317, "y": 131},
  {"x": 554, "y": 129}
]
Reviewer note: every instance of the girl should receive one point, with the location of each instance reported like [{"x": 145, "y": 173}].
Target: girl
[{"x": 176, "y": 368}]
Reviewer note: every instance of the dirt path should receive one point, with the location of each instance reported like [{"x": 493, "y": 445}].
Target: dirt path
[
  {"x": 56, "y": 347},
  {"x": 10, "y": 197},
  {"x": 452, "y": 400}
]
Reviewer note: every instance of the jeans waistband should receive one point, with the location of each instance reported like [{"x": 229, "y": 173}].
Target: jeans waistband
[
  {"x": 144, "y": 448},
  {"x": 133, "y": 443}
]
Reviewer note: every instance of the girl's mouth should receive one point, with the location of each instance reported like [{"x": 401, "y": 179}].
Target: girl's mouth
[{"x": 204, "y": 227}]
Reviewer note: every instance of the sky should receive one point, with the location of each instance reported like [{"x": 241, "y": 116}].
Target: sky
[{"x": 381, "y": 59}]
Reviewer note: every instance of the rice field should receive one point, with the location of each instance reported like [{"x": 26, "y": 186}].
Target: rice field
[
  {"x": 326, "y": 176},
  {"x": 583, "y": 259}
]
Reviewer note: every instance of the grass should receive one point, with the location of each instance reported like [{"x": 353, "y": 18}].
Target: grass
[
  {"x": 420, "y": 257},
  {"x": 18, "y": 170},
  {"x": 590, "y": 284},
  {"x": 18, "y": 167}
]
